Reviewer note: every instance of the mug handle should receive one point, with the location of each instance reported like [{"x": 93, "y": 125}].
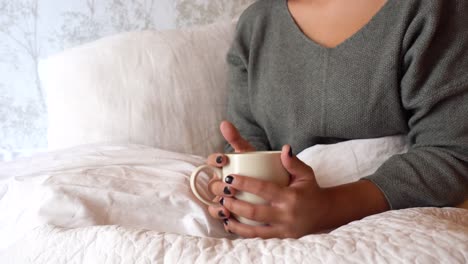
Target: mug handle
[{"x": 193, "y": 180}]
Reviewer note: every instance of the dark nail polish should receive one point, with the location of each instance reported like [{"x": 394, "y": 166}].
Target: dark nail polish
[
  {"x": 219, "y": 159},
  {"x": 290, "y": 152},
  {"x": 221, "y": 214},
  {"x": 229, "y": 179},
  {"x": 221, "y": 201},
  {"x": 226, "y": 190},
  {"x": 226, "y": 221},
  {"x": 230, "y": 232}
]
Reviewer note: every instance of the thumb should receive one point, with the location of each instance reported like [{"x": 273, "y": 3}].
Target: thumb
[
  {"x": 233, "y": 137},
  {"x": 298, "y": 169}
]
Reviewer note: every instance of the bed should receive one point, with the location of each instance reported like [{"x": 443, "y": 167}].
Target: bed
[{"x": 130, "y": 116}]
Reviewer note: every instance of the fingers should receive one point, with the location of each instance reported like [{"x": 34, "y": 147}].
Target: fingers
[
  {"x": 264, "y": 189},
  {"x": 248, "y": 231},
  {"x": 259, "y": 213},
  {"x": 218, "y": 212},
  {"x": 293, "y": 165},
  {"x": 219, "y": 188},
  {"x": 234, "y": 138},
  {"x": 217, "y": 160}
]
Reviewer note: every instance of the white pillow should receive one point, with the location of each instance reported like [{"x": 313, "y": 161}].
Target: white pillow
[{"x": 162, "y": 89}]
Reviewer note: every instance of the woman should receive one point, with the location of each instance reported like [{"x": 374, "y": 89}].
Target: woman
[{"x": 307, "y": 72}]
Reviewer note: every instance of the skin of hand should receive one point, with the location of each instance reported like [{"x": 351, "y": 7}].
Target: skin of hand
[
  {"x": 299, "y": 209},
  {"x": 232, "y": 136},
  {"x": 292, "y": 212}
]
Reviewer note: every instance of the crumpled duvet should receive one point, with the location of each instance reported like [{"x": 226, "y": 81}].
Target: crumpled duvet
[{"x": 132, "y": 204}]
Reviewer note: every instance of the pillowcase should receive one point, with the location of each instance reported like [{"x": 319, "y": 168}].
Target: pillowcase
[
  {"x": 162, "y": 89},
  {"x": 351, "y": 160}
]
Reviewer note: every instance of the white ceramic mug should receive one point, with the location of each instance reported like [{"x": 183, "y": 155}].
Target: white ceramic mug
[{"x": 262, "y": 165}]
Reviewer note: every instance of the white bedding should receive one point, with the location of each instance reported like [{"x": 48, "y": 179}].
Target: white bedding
[{"x": 132, "y": 204}]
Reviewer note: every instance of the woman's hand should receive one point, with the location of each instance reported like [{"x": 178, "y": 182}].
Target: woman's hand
[
  {"x": 303, "y": 207},
  {"x": 292, "y": 212},
  {"x": 216, "y": 186}
]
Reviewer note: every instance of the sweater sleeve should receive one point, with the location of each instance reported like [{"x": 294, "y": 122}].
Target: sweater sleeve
[
  {"x": 434, "y": 93},
  {"x": 238, "y": 107}
]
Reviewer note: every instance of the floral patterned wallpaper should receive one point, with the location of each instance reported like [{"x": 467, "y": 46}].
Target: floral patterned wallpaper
[{"x": 33, "y": 29}]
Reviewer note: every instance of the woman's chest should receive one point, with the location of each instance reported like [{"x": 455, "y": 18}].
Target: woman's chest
[{"x": 330, "y": 96}]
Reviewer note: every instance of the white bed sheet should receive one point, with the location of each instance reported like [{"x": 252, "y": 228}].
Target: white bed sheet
[{"x": 131, "y": 203}]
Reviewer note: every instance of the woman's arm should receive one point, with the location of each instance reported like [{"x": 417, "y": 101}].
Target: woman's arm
[
  {"x": 238, "y": 107},
  {"x": 353, "y": 201},
  {"x": 434, "y": 93}
]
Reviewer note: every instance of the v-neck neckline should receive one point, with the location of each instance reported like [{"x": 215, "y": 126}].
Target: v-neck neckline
[{"x": 297, "y": 29}]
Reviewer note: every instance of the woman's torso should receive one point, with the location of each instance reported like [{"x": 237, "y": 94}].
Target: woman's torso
[{"x": 303, "y": 93}]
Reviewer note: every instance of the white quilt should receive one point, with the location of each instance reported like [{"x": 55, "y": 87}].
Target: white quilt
[{"x": 132, "y": 204}]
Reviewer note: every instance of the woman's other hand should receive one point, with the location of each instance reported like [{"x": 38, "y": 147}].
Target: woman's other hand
[{"x": 216, "y": 186}]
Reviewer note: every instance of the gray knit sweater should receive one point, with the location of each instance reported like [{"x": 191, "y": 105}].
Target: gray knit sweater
[{"x": 405, "y": 72}]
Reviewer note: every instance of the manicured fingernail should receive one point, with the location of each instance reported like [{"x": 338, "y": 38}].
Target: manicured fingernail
[
  {"x": 221, "y": 214},
  {"x": 230, "y": 232},
  {"x": 219, "y": 159},
  {"x": 290, "y": 152},
  {"x": 229, "y": 179},
  {"x": 226, "y": 190},
  {"x": 226, "y": 221},
  {"x": 221, "y": 201}
]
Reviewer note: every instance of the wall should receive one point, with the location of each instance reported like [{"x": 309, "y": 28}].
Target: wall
[{"x": 33, "y": 29}]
